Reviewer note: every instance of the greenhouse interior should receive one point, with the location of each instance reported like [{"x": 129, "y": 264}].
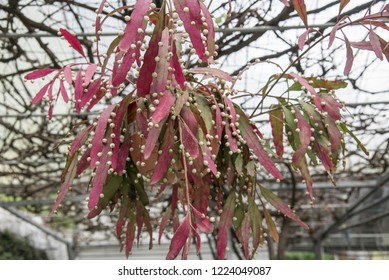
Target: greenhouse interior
[{"x": 259, "y": 44}]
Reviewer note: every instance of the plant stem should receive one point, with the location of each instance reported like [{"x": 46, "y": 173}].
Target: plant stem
[
  {"x": 284, "y": 72},
  {"x": 340, "y": 27}
]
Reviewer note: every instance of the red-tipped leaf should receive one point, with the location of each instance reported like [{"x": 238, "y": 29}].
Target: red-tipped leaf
[
  {"x": 98, "y": 19},
  {"x": 67, "y": 72},
  {"x": 305, "y": 135},
  {"x": 363, "y": 45},
  {"x": 179, "y": 239},
  {"x": 271, "y": 226},
  {"x": 92, "y": 91},
  {"x": 281, "y": 206},
  {"x": 302, "y": 38},
  {"x": 224, "y": 225},
  {"x": 253, "y": 142},
  {"x": 89, "y": 72},
  {"x": 83, "y": 162},
  {"x": 151, "y": 140},
  {"x": 130, "y": 235},
  {"x": 162, "y": 70},
  {"x": 148, "y": 67},
  {"x": 334, "y": 133},
  {"x": 97, "y": 141},
  {"x": 277, "y": 124},
  {"x": 137, "y": 17},
  {"x": 164, "y": 220},
  {"x": 323, "y": 156},
  {"x": 68, "y": 175},
  {"x": 120, "y": 113},
  {"x": 39, "y": 73},
  {"x": 99, "y": 178},
  {"x": 233, "y": 144},
  {"x": 166, "y": 156},
  {"x": 63, "y": 91},
  {"x": 231, "y": 109},
  {"x": 310, "y": 89},
  {"x": 244, "y": 235},
  {"x": 349, "y": 57},
  {"x": 78, "y": 90},
  {"x": 302, "y": 165},
  {"x": 343, "y": 4},
  {"x": 333, "y": 34},
  {"x": 376, "y": 45},
  {"x": 189, "y": 140},
  {"x": 332, "y": 107},
  {"x": 208, "y": 158},
  {"x": 73, "y": 41},
  {"x": 201, "y": 221},
  {"x": 38, "y": 97},
  {"x": 163, "y": 108},
  {"x": 211, "y": 30},
  {"x": 212, "y": 72},
  {"x": 79, "y": 140},
  {"x": 198, "y": 240},
  {"x": 256, "y": 224},
  {"x": 218, "y": 120},
  {"x": 301, "y": 9},
  {"x": 120, "y": 72},
  {"x": 178, "y": 73},
  {"x": 285, "y": 2},
  {"x": 192, "y": 15},
  {"x": 190, "y": 119}
]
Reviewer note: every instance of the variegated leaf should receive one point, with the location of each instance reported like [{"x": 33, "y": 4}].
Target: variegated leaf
[
  {"x": 282, "y": 206},
  {"x": 277, "y": 124},
  {"x": 73, "y": 41},
  {"x": 224, "y": 225},
  {"x": 179, "y": 239},
  {"x": 301, "y": 9}
]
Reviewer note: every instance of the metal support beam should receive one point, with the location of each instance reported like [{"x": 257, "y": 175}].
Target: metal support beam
[
  {"x": 365, "y": 221},
  {"x": 243, "y": 30},
  {"x": 93, "y": 113},
  {"x": 326, "y": 185},
  {"x": 333, "y": 227},
  {"x": 329, "y": 248},
  {"x": 44, "y": 201},
  {"x": 273, "y": 187},
  {"x": 371, "y": 205}
]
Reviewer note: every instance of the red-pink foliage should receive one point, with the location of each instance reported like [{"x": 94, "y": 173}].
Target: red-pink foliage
[{"x": 178, "y": 131}]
